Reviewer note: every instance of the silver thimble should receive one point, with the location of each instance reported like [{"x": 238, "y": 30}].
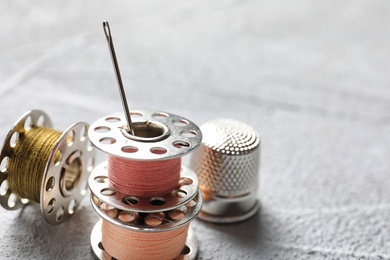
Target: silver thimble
[{"x": 227, "y": 165}]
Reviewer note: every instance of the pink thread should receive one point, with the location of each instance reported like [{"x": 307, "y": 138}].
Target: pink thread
[
  {"x": 126, "y": 244},
  {"x": 144, "y": 178}
]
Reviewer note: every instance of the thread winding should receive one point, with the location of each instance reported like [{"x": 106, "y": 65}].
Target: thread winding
[
  {"x": 126, "y": 244},
  {"x": 146, "y": 236},
  {"x": 28, "y": 161},
  {"x": 144, "y": 178}
]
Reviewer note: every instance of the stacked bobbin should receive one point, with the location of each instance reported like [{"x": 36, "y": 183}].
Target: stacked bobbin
[
  {"x": 145, "y": 197},
  {"x": 43, "y": 165}
]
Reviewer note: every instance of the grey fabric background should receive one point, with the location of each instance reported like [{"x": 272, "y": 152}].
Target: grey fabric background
[{"x": 311, "y": 76}]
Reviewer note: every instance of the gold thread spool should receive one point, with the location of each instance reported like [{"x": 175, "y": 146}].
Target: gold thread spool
[
  {"x": 28, "y": 162},
  {"x": 46, "y": 166}
]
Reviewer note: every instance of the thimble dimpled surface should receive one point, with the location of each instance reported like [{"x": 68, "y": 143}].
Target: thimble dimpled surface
[{"x": 227, "y": 165}]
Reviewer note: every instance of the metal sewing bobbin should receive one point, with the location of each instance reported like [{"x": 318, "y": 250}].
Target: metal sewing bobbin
[
  {"x": 227, "y": 165},
  {"x": 157, "y": 136},
  {"x": 65, "y": 176}
]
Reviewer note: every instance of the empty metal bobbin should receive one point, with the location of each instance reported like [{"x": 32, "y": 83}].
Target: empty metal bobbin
[{"x": 227, "y": 166}]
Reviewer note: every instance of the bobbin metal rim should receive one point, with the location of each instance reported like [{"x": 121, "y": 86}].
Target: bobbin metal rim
[
  {"x": 179, "y": 136},
  {"x": 96, "y": 237},
  {"x": 58, "y": 203},
  {"x": 100, "y": 185},
  {"x": 38, "y": 118},
  {"x": 166, "y": 225}
]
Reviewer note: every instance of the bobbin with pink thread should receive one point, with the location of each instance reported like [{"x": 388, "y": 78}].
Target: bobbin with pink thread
[{"x": 161, "y": 138}]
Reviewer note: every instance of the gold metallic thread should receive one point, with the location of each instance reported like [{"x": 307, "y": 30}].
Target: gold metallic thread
[{"x": 28, "y": 160}]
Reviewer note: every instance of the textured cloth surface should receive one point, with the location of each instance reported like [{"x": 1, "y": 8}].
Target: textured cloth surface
[{"x": 312, "y": 77}]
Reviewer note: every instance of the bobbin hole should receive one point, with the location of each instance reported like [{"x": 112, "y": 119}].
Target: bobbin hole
[
  {"x": 106, "y": 207},
  {"x": 100, "y": 245},
  {"x": 14, "y": 139},
  {"x": 129, "y": 149},
  {"x": 89, "y": 147},
  {"x": 108, "y": 192},
  {"x": 177, "y": 214},
  {"x": 127, "y": 216},
  {"x": 185, "y": 181},
  {"x": 158, "y": 150},
  {"x": 112, "y": 213},
  {"x": 27, "y": 123},
  {"x": 4, "y": 188},
  {"x": 136, "y": 114},
  {"x": 72, "y": 206},
  {"x": 90, "y": 164},
  {"x": 130, "y": 200},
  {"x": 148, "y": 129},
  {"x": 70, "y": 138},
  {"x": 4, "y": 164},
  {"x": 59, "y": 214},
  {"x": 160, "y": 115},
  {"x": 154, "y": 219},
  {"x": 41, "y": 120},
  {"x": 189, "y": 133},
  {"x": 102, "y": 129},
  {"x": 57, "y": 158},
  {"x": 83, "y": 133},
  {"x": 101, "y": 179},
  {"x": 51, "y": 205},
  {"x": 191, "y": 204},
  {"x": 71, "y": 173},
  {"x": 107, "y": 140},
  {"x": 12, "y": 199},
  {"x": 50, "y": 183},
  {"x": 113, "y": 119},
  {"x": 158, "y": 201},
  {"x": 179, "y": 193},
  {"x": 181, "y": 144},
  {"x": 186, "y": 250},
  {"x": 181, "y": 122}
]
